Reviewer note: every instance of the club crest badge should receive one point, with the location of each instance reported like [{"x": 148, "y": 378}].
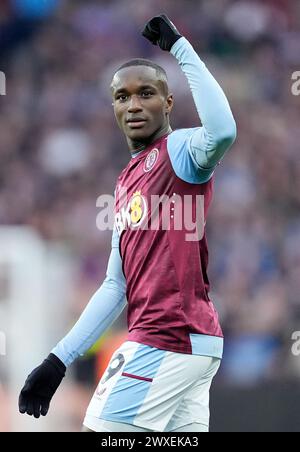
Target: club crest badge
[{"x": 151, "y": 159}]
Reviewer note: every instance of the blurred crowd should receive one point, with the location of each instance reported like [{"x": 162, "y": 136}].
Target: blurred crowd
[{"x": 60, "y": 149}]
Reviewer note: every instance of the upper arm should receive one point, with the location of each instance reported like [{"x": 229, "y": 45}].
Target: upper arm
[
  {"x": 182, "y": 159},
  {"x": 208, "y": 149}
]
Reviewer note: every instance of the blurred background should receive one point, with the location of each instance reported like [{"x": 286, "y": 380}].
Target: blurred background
[{"x": 60, "y": 149}]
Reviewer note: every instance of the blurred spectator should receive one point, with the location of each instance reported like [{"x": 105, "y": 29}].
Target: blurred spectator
[{"x": 34, "y": 8}]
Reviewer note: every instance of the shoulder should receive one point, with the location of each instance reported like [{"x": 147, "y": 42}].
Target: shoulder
[
  {"x": 180, "y": 140},
  {"x": 181, "y": 135},
  {"x": 183, "y": 163}
]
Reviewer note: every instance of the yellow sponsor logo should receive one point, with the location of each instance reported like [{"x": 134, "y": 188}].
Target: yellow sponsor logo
[{"x": 132, "y": 215}]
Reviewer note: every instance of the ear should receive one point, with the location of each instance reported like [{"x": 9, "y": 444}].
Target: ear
[{"x": 169, "y": 103}]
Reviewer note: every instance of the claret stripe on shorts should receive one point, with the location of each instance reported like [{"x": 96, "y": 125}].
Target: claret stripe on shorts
[{"x": 137, "y": 377}]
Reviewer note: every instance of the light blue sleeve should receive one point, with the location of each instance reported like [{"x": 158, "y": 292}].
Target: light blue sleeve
[
  {"x": 182, "y": 159},
  {"x": 205, "y": 145},
  {"x": 102, "y": 310}
]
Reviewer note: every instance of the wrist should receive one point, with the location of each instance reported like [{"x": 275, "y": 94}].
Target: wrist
[
  {"x": 57, "y": 363},
  {"x": 177, "y": 44}
]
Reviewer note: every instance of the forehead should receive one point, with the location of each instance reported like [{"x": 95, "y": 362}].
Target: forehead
[{"x": 134, "y": 76}]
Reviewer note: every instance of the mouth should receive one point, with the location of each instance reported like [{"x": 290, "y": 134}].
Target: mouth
[{"x": 136, "y": 123}]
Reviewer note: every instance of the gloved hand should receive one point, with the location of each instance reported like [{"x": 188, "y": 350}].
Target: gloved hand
[
  {"x": 40, "y": 387},
  {"x": 161, "y": 31}
]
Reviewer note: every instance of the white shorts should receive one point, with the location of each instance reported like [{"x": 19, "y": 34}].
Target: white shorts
[{"x": 153, "y": 389}]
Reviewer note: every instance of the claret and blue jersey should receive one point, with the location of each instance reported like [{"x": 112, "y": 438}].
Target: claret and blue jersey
[{"x": 166, "y": 274}]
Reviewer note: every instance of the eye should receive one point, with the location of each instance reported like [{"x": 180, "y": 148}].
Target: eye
[
  {"x": 147, "y": 93},
  {"x": 121, "y": 97}
]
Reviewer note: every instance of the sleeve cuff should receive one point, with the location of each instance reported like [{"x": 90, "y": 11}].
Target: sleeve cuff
[
  {"x": 180, "y": 44},
  {"x": 57, "y": 363}
]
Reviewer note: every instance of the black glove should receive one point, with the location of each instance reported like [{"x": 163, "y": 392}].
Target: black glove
[
  {"x": 160, "y": 31},
  {"x": 40, "y": 387}
]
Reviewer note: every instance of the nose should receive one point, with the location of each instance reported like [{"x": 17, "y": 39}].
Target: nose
[{"x": 134, "y": 105}]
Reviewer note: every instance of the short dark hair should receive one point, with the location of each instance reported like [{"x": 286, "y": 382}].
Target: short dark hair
[
  {"x": 160, "y": 72},
  {"x": 143, "y": 62}
]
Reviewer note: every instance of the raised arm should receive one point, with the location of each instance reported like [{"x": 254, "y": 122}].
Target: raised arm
[
  {"x": 218, "y": 131},
  {"x": 195, "y": 152}
]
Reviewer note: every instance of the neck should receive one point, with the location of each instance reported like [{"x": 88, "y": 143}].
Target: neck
[{"x": 136, "y": 146}]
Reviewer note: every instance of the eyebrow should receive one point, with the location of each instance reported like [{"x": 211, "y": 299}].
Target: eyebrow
[{"x": 141, "y": 88}]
